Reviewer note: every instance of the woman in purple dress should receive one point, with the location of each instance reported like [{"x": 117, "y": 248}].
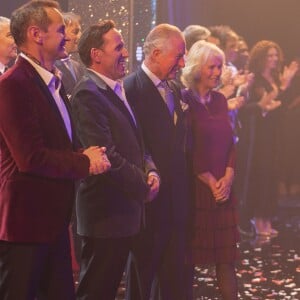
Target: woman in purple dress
[{"x": 212, "y": 158}]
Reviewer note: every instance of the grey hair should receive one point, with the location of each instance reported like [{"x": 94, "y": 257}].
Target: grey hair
[
  {"x": 197, "y": 57},
  {"x": 158, "y": 36},
  {"x": 4, "y": 21},
  {"x": 195, "y": 33},
  {"x": 70, "y": 18}
]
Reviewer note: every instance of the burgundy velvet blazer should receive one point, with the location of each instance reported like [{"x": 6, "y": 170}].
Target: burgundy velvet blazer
[{"x": 37, "y": 162}]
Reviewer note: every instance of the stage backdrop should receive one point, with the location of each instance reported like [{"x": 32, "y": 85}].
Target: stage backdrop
[
  {"x": 7, "y": 6},
  {"x": 276, "y": 20},
  {"x": 133, "y": 18}
]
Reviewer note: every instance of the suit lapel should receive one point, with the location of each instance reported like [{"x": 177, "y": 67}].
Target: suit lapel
[
  {"x": 69, "y": 109},
  {"x": 45, "y": 91},
  {"x": 67, "y": 75},
  {"x": 177, "y": 99},
  {"x": 152, "y": 93},
  {"x": 117, "y": 102},
  {"x": 77, "y": 69}
]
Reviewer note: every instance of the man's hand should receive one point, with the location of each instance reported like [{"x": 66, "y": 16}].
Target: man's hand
[
  {"x": 99, "y": 162},
  {"x": 153, "y": 182}
]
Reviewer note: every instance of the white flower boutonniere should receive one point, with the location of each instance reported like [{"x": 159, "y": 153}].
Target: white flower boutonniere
[{"x": 184, "y": 106}]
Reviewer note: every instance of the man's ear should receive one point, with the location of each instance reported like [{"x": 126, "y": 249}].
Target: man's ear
[
  {"x": 34, "y": 33},
  {"x": 156, "y": 52},
  {"x": 96, "y": 55}
]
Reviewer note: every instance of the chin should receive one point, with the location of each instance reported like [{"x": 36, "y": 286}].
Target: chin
[
  {"x": 62, "y": 55},
  {"x": 122, "y": 73},
  {"x": 171, "y": 76}
]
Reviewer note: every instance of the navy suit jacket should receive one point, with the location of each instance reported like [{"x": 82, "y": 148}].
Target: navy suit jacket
[
  {"x": 165, "y": 141},
  {"x": 37, "y": 162},
  {"x": 110, "y": 204}
]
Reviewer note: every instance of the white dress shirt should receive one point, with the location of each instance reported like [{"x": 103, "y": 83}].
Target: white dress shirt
[
  {"x": 117, "y": 87},
  {"x": 2, "y": 68}
]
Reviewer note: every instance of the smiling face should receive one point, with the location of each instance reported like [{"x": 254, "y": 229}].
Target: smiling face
[
  {"x": 170, "y": 59},
  {"x": 53, "y": 40},
  {"x": 210, "y": 74},
  {"x": 8, "y": 48},
  {"x": 272, "y": 59},
  {"x": 113, "y": 55}
]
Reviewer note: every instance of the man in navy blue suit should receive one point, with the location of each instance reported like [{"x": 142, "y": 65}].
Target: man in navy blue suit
[{"x": 159, "y": 250}]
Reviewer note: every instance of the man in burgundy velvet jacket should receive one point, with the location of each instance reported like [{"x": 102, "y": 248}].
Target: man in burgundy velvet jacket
[{"x": 38, "y": 163}]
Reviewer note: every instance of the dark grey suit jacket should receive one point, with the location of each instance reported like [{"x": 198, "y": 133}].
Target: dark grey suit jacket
[{"x": 111, "y": 204}]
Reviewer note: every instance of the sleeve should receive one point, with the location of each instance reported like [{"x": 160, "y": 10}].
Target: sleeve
[
  {"x": 150, "y": 165},
  {"x": 232, "y": 157}
]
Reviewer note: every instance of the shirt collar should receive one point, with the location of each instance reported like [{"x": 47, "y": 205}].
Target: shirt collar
[
  {"x": 2, "y": 68},
  {"x": 110, "y": 82},
  {"x": 65, "y": 59},
  {"x": 46, "y": 75},
  {"x": 156, "y": 81}
]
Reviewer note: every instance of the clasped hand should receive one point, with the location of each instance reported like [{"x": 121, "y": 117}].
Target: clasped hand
[
  {"x": 222, "y": 190},
  {"x": 153, "y": 182},
  {"x": 99, "y": 162}
]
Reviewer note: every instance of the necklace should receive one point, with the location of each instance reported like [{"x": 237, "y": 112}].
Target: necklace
[{"x": 38, "y": 62}]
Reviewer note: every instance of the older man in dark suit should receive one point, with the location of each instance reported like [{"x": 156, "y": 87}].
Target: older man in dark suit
[
  {"x": 110, "y": 207},
  {"x": 160, "y": 249},
  {"x": 8, "y": 48},
  {"x": 38, "y": 164}
]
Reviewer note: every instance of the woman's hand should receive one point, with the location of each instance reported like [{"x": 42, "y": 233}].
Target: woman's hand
[
  {"x": 223, "y": 185},
  {"x": 288, "y": 74},
  {"x": 235, "y": 103},
  {"x": 220, "y": 188},
  {"x": 267, "y": 102}
]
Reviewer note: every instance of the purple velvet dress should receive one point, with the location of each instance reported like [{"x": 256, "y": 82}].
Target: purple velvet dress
[{"x": 215, "y": 233}]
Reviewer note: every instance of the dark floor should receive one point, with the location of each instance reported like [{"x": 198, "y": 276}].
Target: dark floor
[{"x": 269, "y": 269}]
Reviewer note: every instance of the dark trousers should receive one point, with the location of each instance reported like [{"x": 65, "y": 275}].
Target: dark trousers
[
  {"x": 36, "y": 271},
  {"x": 161, "y": 256},
  {"x": 102, "y": 265}
]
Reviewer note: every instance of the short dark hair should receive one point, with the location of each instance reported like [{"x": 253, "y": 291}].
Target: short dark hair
[
  {"x": 92, "y": 37},
  {"x": 31, "y": 13}
]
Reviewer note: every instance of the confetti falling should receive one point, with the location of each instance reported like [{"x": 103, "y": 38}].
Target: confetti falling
[{"x": 269, "y": 269}]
